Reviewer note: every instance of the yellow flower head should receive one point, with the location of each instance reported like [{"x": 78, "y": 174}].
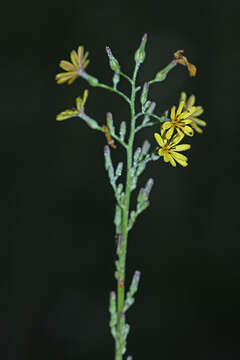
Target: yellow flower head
[
  {"x": 78, "y": 63},
  {"x": 80, "y": 102},
  {"x": 188, "y": 103},
  {"x": 169, "y": 149},
  {"x": 179, "y": 121}
]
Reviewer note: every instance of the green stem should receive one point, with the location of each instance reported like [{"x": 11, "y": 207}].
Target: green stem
[
  {"x": 125, "y": 76},
  {"x": 110, "y": 88},
  {"x": 148, "y": 114},
  {"x": 125, "y": 215}
]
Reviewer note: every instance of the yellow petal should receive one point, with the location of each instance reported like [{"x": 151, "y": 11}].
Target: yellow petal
[
  {"x": 178, "y": 156},
  {"x": 198, "y": 121},
  {"x": 170, "y": 132},
  {"x": 182, "y": 147},
  {"x": 187, "y": 113},
  {"x": 197, "y": 128},
  {"x": 79, "y": 103},
  {"x": 61, "y": 80},
  {"x": 172, "y": 115},
  {"x": 191, "y": 101},
  {"x": 186, "y": 122},
  {"x": 64, "y": 77},
  {"x": 166, "y": 125},
  {"x": 67, "y": 114},
  {"x": 180, "y": 133},
  {"x": 199, "y": 110},
  {"x": 180, "y": 107},
  {"x": 80, "y": 52},
  {"x": 66, "y": 65},
  {"x": 85, "y": 64},
  {"x": 188, "y": 130},
  {"x": 176, "y": 139},
  {"x": 166, "y": 156},
  {"x": 172, "y": 161},
  {"x": 73, "y": 78},
  {"x": 159, "y": 139},
  {"x": 183, "y": 97},
  {"x": 85, "y": 56},
  {"x": 85, "y": 95},
  {"x": 75, "y": 59},
  {"x": 183, "y": 163},
  {"x": 160, "y": 152}
]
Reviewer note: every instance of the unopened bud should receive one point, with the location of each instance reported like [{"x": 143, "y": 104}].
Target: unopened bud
[
  {"x": 148, "y": 187},
  {"x": 135, "y": 282},
  {"x": 119, "y": 169},
  {"x": 113, "y": 63},
  {"x": 145, "y": 148},
  {"x": 107, "y": 156},
  {"x": 144, "y": 94},
  {"x": 110, "y": 123},
  {"x": 140, "y": 53},
  {"x": 161, "y": 75},
  {"x": 136, "y": 155},
  {"x": 122, "y": 130}
]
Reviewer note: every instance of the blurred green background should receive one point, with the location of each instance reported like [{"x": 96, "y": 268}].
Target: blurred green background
[{"x": 57, "y": 242}]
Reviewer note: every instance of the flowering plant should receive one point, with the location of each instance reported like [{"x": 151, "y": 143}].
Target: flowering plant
[{"x": 173, "y": 126}]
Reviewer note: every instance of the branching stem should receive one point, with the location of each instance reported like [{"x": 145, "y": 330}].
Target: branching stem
[{"x": 110, "y": 88}]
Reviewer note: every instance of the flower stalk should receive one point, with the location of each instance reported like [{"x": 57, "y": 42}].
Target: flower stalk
[{"x": 173, "y": 128}]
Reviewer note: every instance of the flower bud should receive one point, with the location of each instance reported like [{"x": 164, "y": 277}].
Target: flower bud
[
  {"x": 144, "y": 94},
  {"x": 122, "y": 131},
  {"x": 145, "y": 148},
  {"x": 161, "y": 75},
  {"x": 110, "y": 123},
  {"x": 119, "y": 169},
  {"x": 134, "y": 283},
  {"x": 113, "y": 63},
  {"x": 140, "y": 53}
]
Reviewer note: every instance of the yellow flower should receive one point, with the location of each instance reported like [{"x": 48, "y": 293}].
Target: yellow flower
[
  {"x": 80, "y": 102},
  {"x": 78, "y": 64},
  {"x": 188, "y": 103},
  {"x": 169, "y": 149},
  {"x": 179, "y": 121}
]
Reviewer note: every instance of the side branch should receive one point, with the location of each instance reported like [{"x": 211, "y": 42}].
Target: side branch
[{"x": 110, "y": 88}]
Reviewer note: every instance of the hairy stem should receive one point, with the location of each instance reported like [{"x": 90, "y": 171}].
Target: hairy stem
[{"x": 121, "y": 279}]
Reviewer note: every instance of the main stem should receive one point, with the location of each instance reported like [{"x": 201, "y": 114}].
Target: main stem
[{"x": 121, "y": 279}]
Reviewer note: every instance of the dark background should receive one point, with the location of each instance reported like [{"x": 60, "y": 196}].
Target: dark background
[{"x": 57, "y": 243}]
